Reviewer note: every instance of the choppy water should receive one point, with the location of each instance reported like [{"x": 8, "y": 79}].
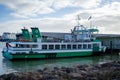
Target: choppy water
[{"x": 7, "y": 66}]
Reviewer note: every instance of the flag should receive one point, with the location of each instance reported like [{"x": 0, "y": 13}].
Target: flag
[{"x": 89, "y": 17}]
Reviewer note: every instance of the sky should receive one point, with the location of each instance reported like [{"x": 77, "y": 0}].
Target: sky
[{"x": 59, "y": 15}]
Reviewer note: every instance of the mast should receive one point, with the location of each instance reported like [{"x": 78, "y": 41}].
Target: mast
[
  {"x": 78, "y": 18},
  {"x": 90, "y": 19},
  {"x": 90, "y": 30}
]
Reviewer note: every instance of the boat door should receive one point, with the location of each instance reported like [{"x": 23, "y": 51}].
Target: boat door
[{"x": 96, "y": 47}]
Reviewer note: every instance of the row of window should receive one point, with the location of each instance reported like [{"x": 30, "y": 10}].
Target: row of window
[
  {"x": 26, "y": 46},
  {"x": 58, "y": 46},
  {"x": 68, "y": 46}
]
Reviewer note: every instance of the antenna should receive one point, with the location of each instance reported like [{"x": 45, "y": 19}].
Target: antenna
[
  {"x": 24, "y": 27},
  {"x": 89, "y": 19},
  {"x": 78, "y": 18}
]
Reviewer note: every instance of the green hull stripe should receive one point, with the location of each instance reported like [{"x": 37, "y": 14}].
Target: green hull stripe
[
  {"x": 47, "y": 55},
  {"x": 72, "y": 54},
  {"x": 7, "y": 55}
]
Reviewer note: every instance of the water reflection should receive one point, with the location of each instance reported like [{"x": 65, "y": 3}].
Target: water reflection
[
  {"x": 30, "y": 65},
  {"x": 39, "y": 64}
]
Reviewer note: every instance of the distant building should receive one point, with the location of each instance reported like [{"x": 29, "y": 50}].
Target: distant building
[
  {"x": 6, "y": 36},
  {"x": 112, "y": 41}
]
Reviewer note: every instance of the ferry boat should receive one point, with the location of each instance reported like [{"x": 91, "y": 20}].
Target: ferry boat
[{"x": 79, "y": 43}]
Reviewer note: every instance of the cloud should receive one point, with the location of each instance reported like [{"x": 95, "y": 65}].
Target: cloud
[
  {"x": 33, "y": 8},
  {"x": 106, "y": 17},
  {"x": 27, "y": 8},
  {"x": 58, "y": 4},
  {"x": 108, "y": 24},
  {"x": 112, "y": 9},
  {"x": 44, "y": 25}
]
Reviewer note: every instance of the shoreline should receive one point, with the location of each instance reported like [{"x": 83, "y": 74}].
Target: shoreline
[{"x": 103, "y": 71}]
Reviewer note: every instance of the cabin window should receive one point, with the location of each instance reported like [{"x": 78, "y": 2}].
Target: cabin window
[
  {"x": 63, "y": 46},
  {"x": 21, "y": 46},
  {"x": 51, "y": 46},
  {"x": 89, "y": 46},
  {"x": 74, "y": 46},
  {"x": 28, "y": 46},
  {"x": 31, "y": 46},
  {"x": 57, "y": 46},
  {"x": 84, "y": 46},
  {"x": 44, "y": 46},
  {"x": 34, "y": 46},
  {"x": 17, "y": 45},
  {"x": 68, "y": 46},
  {"x": 24, "y": 46},
  {"x": 79, "y": 46}
]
